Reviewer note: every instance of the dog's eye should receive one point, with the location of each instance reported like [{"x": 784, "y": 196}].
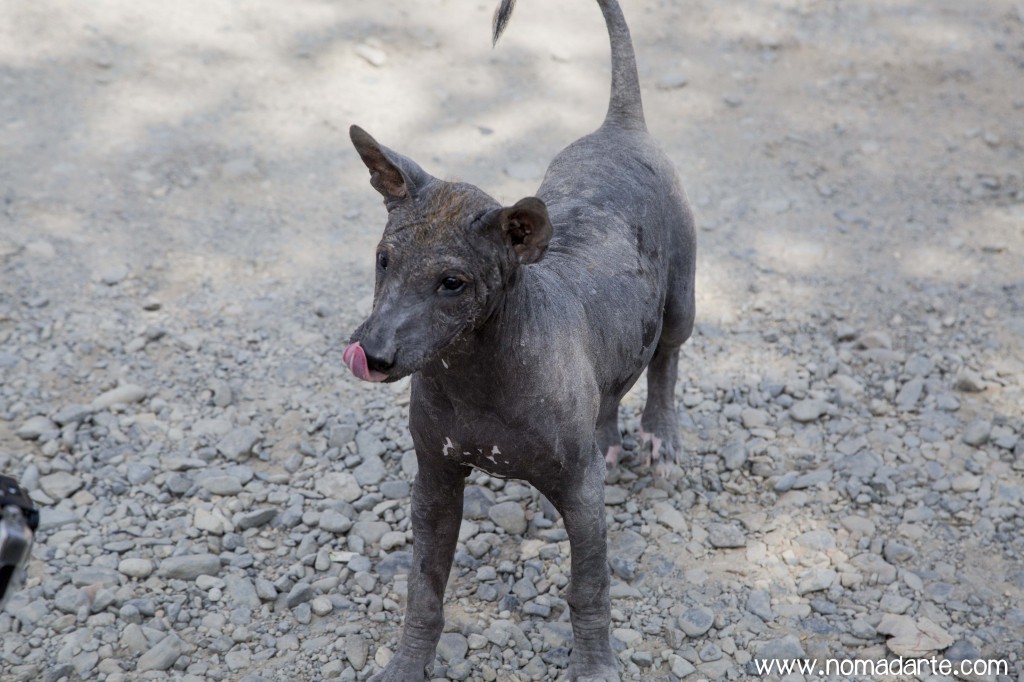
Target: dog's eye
[
  {"x": 452, "y": 285},
  {"x": 382, "y": 260}
]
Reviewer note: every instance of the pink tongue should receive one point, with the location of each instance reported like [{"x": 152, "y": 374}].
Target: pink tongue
[{"x": 355, "y": 358}]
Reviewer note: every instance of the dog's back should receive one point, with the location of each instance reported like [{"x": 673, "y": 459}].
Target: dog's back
[{"x": 623, "y": 240}]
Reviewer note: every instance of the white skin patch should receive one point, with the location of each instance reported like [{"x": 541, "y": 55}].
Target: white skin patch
[
  {"x": 444, "y": 362},
  {"x": 448, "y": 445},
  {"x": 495, "y": 450}
]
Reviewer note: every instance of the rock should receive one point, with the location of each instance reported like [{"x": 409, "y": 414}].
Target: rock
[
  {"x": 615, "y": 495},
  {"x": 210, "y": 521},
  {"x": 897, "y": 552},
  {"x": 965, "y": 483},
  {"x": 696, "y": 621},
  {"x": 60, "y": 485},
  {"x": 222, "y": 485},
  {"x": 125, "y": 394},
  {"x": 254, "y": 518},
  {"x": 680, "y": 666},
  {"x": 70, "y": 414},
  {"x": 370, "y": 531},
  {"x": 815, "y": 580},
  {"x": 624, "y": 551},
  {"x": 189, "y": 566},
  {"x": 392, "y": 540},
  {"x": 510, "y": 516},
  {"x": 335, "y": 522},
  {"x": 911, "y": 392},
  {"x": 977, "y": 432},
  {"x": 241, "y": 591},
  {"x": 812, "y": 479},
  {"x": 670, "y": 516},
  {"x": 452, "y": 647},
  {"x": 476, "y": 502},
  {"x": 962, "y": 650},
  {"x": 239, "y": 442},
  {"x": 786, "y": 648},
  {"x": 874, "y": 339},
  {"x": 725, "y": 536},
  {"x": 394, "y": 490},
  {"x": 672, "y": 81},
  {"x": 910, "y": 638},
  {"x": 369, "y": 445},
  {"x": 113, "y": 274},
  {"x": 135, "y": 567},
  {"x": 821, "y": 540},
  {"x": 375, "y": 57},
  {"x": 356, "y": 650},
  {"x": 807, "y": 410},
  {"x": 163, "y": 655},
  {"x": 753, "y": 418},
  {"x": 299, "y": 594},
  {"x": 969, "y": 381},
  {"x": 339, "y": 486},
  {"x": 759, "y": 603},
  {"x": 858, "y": 525},
  {"x": 34, "y": 427},
  {"x": 371, "y": 471},
  {"x": 735, "y": 455},
  {"x": 321, "y": 606}
]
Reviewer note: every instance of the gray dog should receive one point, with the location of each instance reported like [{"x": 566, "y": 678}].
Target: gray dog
[{"x": 523, "y": 327}]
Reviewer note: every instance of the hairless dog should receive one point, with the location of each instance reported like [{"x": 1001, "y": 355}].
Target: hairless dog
[{"x": 522, "y": 327}]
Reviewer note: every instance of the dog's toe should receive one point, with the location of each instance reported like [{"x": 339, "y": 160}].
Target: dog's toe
[{"x": 611, "y": 457}]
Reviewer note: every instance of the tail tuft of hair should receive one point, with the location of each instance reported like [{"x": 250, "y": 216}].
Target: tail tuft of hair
[{"x": 501, "y": 16}]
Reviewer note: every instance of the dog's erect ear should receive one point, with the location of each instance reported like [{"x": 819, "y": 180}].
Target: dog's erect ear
[
  {"x": 396, "y": 177},
  {"x": 527, "y": 227}
]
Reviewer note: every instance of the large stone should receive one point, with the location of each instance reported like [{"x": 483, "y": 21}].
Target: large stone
[
  {"x": 339, "y": 486},
  {"x": 254, "y": 518},
  {"x": 60, "y": 484},
  {"x": 370, "y": 531},
  {"x": 34, "y": 427},
  {"x": 725, "y": 536},
  {"x": 510, "y": 516},
  {"x": 125, "y": 394},
  {"x": 807, "y": 410},
  {"x": 371, "y": 471},
  {"x": 163, "y": 655},
  {"x": 189, "y": 566},
  {"x": 913, "y": 638},
  {"x": 696, "y": 621},
  {"x": 238, "y": 443},
  {"x": 670, "y": 516},
  {"x": 135, "y": 567},
  {"x": 222, "y": 485}
]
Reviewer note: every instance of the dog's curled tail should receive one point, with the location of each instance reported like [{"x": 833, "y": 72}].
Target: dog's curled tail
[{"x": 625, "y": 108}]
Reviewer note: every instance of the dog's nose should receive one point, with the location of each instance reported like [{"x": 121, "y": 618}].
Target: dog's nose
[{"x": 380, "y": 360}]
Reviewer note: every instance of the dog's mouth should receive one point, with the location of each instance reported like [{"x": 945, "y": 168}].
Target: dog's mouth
[{"x": 354, "y": 358}]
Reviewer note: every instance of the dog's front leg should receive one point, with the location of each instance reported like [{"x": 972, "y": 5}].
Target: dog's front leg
[
  {"x": 436, "y": 516},
  {"x": 580, "y": 500}
]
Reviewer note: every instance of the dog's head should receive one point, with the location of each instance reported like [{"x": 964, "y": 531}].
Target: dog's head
[{"x": 447, "y": 254}]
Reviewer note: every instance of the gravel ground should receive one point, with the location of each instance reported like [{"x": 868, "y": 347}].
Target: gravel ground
[{"x": 186, "y": 240}]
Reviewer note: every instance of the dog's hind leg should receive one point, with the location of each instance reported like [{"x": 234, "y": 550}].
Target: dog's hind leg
[{"x": 660, "y": 422}]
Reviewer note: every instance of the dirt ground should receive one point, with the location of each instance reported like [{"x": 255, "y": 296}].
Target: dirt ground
[{"x": 180, "y": 206}]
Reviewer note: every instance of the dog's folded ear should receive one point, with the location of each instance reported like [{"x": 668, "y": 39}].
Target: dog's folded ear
[
  {"x": 396, "y": 177},
  {"x": 527, "y": 227}
]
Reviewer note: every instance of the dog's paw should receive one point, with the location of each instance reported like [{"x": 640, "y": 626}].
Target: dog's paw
[
  {"x": 591, "y": 673},
  {"x": 402, "y": 669},
  {"x": 611, "y": 457}
]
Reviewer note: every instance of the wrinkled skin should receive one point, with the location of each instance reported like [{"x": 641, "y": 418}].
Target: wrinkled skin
[{"x": 522, "y": 328}]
